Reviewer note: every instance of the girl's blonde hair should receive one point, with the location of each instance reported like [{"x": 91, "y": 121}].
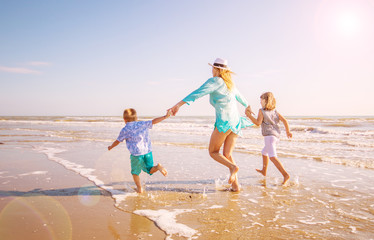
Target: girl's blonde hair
[
  {"x": 225, "y": 74},
  {"x": 129, "y": 115},
  {"x": 269, "y": 101}
]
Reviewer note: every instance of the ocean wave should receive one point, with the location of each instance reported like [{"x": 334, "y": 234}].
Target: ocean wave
[
  {"x": 337, "y": 131},
  {"x": 285, "y": 152},
  {"x": 364, "y": 133},
  {"x": 333, "y": 119},
  {"x": 358, "y": 163},
  {"x": 60, "y": 122},
  {"x": 309, "y": 130},
  {"x": 117, "y": 195},
  {"x": 343, "y": 124},
  {"x": 310, "y": 141},
  {"x": 90, "y": 119},
  {"x": 358, "y": 144}
]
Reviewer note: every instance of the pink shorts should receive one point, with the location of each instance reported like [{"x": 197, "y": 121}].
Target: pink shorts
[{"x": 270, "y": 146}]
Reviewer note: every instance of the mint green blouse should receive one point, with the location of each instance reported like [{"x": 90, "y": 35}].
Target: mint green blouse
[{"x": 224, "y": 102}]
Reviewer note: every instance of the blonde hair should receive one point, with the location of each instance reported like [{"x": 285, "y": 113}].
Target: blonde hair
[
  {"x": 129, "y": 115},
  {"x": 225, "y": 74},
  {"x": 270, "y": 101}
]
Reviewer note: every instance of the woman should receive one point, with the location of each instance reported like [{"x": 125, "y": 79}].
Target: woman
[{"x": 228, "y": 125}]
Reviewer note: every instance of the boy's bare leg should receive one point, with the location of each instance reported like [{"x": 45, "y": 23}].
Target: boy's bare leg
[
  {"x": 160, "y": 168},
  {"x": 265, "y": 162},
  {"x": 136, "y": 178},
  {"x": 280, "y": 167}
]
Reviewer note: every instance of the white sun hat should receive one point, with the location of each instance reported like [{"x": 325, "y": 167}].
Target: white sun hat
[{"x": 220, "y": 63}]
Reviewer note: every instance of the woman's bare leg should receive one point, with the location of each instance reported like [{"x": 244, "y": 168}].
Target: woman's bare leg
[
  {"x": 228, "y": 148},
  {"x": 216, "y": 141}
]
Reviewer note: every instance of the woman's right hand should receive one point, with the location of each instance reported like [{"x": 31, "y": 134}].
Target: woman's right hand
[{"x": 174, "y": 110}]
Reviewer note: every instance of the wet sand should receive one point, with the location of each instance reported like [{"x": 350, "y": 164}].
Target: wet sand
[
  {"x": 321, "y": 201},
  {"x": 40, "y": 199}
]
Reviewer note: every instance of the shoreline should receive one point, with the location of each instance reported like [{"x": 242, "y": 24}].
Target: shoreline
[
  {"x": 40, "y": 199},
  {"x": 200, "y": 206}
]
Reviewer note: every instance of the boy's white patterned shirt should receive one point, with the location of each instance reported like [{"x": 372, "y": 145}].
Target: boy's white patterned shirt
[{"x": 137, "y": 137}]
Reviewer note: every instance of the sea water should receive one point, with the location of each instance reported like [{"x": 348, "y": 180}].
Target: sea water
[
  {"x": 341, "y": 140},
  {"x": 330, "y": 160}
]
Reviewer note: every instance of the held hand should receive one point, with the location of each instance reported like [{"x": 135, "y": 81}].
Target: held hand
[
  {"x": 109, "y": 148},
  {"x": 174, "y": 110},
  {"x": 248, "y": 111},
  {"x": 168, "y": 113}
]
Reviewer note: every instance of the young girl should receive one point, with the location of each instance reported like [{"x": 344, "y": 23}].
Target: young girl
[{"x": 269, "y": 118}]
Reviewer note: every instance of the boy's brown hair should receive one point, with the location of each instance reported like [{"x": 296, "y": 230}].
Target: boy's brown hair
[
  {"x": 269, "y": 101},
  {"x": 129, "y": 115}
]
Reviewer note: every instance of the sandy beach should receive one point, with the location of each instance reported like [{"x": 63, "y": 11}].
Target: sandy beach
[
  {"x": 40, "y": 199},
  {"x": 58, "y": 180},
  {"x": 289, "y": 78}
]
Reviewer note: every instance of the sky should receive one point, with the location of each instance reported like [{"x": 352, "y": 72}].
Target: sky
[{"x": 96, "y": 58}]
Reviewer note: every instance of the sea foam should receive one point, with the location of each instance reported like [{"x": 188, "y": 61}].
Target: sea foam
[
  {"x": 166, "y": 221},
  {"x": 117, "y": 195}
]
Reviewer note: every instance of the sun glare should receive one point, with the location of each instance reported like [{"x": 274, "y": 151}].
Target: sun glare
[
  {"x": 348, "y": 24},
  {"x": 344, "y": 24}
]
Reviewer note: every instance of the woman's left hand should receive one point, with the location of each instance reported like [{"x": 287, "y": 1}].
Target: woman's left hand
[
  {"x": 248, "y": 111},
  {"x": 176, "y": 107}
]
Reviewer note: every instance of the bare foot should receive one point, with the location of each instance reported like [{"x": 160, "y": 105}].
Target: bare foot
[
  {"x": 233, "y": 174},
  {"x": 234, "y": 189},
  {"x": 285, "y": 180},
  {"x": 235, "y": 186},
  {"x": 139, "y": 190},
  {"x": 162, "y": 170},
  {"x": 262, "y": 172}
]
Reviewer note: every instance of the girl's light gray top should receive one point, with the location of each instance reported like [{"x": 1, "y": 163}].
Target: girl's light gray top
[{"x": 270, "y": 124}]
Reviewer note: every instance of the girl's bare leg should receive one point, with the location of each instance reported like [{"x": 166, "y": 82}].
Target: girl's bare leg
[
  {"x": 228, "y": 148},
  {"x": 136, "y": 178},
  {"x": 280, "y": 167},
  {"x": 265, "y": 162},
  {"x": 216, "y": 141}
]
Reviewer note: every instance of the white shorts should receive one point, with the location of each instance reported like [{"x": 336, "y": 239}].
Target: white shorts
[{"x": 270, "y": 146}]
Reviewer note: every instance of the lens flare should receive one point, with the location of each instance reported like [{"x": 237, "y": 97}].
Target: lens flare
[
  {"x": 39, "y": 215},
  {"x": 89, "y": 195}
]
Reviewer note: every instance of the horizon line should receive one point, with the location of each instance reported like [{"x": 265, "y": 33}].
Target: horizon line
[{"x": 175, "y": 116}]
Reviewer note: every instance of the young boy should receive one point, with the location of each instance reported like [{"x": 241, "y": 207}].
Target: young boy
[{"x": 139, "y": 144}]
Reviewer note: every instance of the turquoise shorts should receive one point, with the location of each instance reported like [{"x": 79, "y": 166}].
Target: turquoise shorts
[{"x": 142, "y": 162}]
